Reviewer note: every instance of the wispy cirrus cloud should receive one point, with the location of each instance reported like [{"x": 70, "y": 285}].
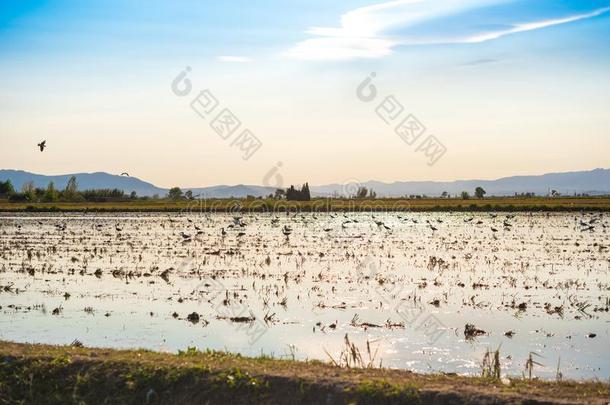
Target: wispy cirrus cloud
[
  {"x": 534, "y": 26},
  {"x": 375, "y": 31}
]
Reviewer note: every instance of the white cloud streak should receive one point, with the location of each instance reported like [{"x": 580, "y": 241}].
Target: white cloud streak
[
  {"x": 534, "y": 26},
  {"x": 363, "y": 32}
]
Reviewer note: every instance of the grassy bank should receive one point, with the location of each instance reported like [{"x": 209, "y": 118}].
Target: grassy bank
[
  {"x": 323, "y": 205},
  {"x": 66, "y": 374}
]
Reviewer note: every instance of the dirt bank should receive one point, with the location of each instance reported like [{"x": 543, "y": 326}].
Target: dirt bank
[{"x": 66, "y": 374}]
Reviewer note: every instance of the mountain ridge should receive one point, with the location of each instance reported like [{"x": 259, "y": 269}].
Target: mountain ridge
[{"x": 592, "y": 182}]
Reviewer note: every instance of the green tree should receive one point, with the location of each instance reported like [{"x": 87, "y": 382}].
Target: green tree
[
  {"x": 445, "y": 194},
  {"x": 305, "y": 193},
  {"x": 189, "y": 195},
  {"x": 29, "y": 190},
  {"x": 361, "y": 192},
  {"x": 17, "y": 197},
  {"x": 6, "y": 188},
  {"x": 293, "y": 194},
  {"x": 71, "y": 191},
  {"x": 50, "y": 194},
  {"x": 479, "y": 192},
  {"x": 465, "y": 195},
  {"x": 174, "y": 193}
]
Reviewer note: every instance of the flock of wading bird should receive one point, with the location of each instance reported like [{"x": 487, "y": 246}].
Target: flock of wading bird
[{"x": 344, "y": 265}]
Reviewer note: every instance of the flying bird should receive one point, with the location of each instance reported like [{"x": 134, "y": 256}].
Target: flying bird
[
  {"x": 42, "y": 145},
  {"x": 125, "y": 174}
]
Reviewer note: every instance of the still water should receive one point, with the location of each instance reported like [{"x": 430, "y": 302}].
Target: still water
[{"x": 294, "y": 285}]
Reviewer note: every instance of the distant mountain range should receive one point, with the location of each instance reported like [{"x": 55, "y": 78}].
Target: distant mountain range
[
  {"x": 100, "y": 180},
  {"x": 85, "y": 181},
  {"x": 592, "y": 182}
]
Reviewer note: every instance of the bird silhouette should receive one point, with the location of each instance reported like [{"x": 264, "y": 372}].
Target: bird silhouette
[
  {"x": 125, "y": 174},
  {"x": 42, "y": 145}
]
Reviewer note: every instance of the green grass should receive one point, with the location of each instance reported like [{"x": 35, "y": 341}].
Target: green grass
[
  {"x": 42, "y": 374},
  {"x": 324, "y": 205},
  {"x": 378, "y": 391}
]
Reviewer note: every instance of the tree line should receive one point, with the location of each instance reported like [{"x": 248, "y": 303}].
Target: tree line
[{"x": 30, "y": 193}]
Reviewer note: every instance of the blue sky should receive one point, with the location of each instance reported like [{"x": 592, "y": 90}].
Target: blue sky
[{"x": 508, "y": 86}]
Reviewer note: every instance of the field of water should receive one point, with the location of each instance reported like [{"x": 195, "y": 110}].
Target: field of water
[{"x": 429, "y": 292}]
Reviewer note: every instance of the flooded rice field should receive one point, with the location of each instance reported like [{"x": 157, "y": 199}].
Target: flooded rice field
[{"x": 429, "y": 292}]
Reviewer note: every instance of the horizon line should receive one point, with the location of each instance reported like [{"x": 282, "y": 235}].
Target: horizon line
[{"x": 319, "y": 185}]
